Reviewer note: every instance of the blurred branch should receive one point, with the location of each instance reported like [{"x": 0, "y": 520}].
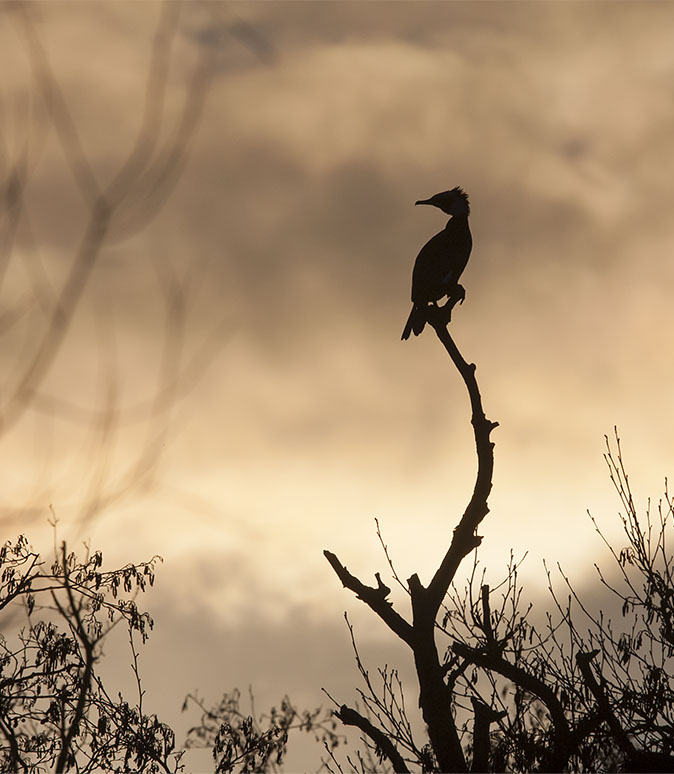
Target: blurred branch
[
  {"x": 142, "y": 184},
  {"x": 138, "y": 188},
  {"x": 61, "y": 317},
  {"x": 135, "y": 413},
  {"x": 153, "y": 106},
  {"x": 56, "y": 104}
]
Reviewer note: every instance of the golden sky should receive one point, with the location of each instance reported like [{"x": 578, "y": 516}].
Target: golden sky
[{"x": 291, "y": 234}]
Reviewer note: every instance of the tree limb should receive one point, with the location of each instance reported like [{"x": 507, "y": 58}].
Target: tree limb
[
  {"x": 435, "y": 696},
  {"x": 465, "y": 539},
  {"x": 640, "y": 760},
  {"x": 350, "y": 717},
  {"x": 376, "y": 599},
  {"x": 493, "y": 661},
  {"x": 484, "y": 717}
]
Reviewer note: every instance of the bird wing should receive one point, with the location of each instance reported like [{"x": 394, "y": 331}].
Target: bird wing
[{"x": 440, "y": 263}]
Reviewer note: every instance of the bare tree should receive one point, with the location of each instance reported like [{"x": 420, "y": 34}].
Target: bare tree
[
  {"x": 500, "y": 692},
  {"x": 435, "y": 695}
]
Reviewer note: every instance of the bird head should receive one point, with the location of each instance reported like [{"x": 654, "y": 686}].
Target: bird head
[{"x": 454, "y": 202}]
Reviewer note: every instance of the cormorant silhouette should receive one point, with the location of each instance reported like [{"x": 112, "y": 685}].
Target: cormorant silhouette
[{"x": 441, "y": 260}]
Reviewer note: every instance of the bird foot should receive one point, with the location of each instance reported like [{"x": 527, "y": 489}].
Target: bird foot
[
  {"x": 442, "y": 315},
  {"x": 457, "y": 295}
]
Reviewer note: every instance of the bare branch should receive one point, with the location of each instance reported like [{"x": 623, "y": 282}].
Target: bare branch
[
  {"x": 465, "y": 539},
  {"x": 493, "y": 660},
  {"x": 376, "y": 599},
  {"x": 484, "y": 717},
  {"x": 57, "y": 106},
  {"x": 350, "y": 717}
]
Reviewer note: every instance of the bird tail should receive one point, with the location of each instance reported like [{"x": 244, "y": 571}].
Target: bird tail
[{"x": 415, "y": 323}]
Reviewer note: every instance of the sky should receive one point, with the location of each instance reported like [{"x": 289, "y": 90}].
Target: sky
[{"x": 232, "y": 392}]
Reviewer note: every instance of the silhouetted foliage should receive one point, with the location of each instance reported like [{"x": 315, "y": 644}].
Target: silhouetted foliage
[
  {"x": 55, "y": 711},
  {"x": 254, "y": 745}
]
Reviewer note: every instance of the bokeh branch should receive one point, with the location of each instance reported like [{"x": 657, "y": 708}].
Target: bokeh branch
[
  {"x": 135, "y": 194},
  {"x": 41, "y": 324}
]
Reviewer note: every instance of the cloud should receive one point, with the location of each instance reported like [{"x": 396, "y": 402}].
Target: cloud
[{"x": 295, "y": 216}]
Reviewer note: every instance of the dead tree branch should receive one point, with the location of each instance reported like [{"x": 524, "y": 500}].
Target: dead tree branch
[
  {"x": 435, "y": 696},
  {"x": 350, "y": 717},
  {"x": 640, "y": 760},
  {"x": 484, "y": 717},
  {"x": 493, "y": 661},
  {"x": 465, "y": 538},
  {"x": 376, "y": 599}
]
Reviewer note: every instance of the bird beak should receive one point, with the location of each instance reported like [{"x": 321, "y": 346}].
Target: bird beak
[{"x": 423, "y": 201}]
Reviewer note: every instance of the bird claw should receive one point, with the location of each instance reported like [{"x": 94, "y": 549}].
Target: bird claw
[
  {"x": 459, "y": 295},
  {"x": 442, "y": 315}
]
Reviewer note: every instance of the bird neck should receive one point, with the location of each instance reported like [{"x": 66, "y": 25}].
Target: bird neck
[{"x": 457, "y": 220}]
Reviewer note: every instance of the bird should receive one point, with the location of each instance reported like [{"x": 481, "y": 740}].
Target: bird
[{"x": 441, "y": 260}]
